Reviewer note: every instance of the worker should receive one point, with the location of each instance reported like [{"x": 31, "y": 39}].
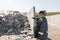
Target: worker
[{"x": 41, "y": 28}]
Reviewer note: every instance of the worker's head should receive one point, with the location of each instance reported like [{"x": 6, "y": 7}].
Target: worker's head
[{"x": 41, "y": 14}]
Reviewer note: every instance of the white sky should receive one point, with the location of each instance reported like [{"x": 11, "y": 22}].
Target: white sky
[{"x": 26, "y": 5}]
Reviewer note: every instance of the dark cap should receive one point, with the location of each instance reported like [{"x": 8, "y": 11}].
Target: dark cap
[{"x": 42, "y": 12}]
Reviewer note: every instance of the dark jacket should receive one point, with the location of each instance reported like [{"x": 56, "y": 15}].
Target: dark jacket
[{"x": 42, "y": 27}]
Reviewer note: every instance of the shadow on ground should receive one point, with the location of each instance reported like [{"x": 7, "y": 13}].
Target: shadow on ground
[{"x": 49, "y": 39}]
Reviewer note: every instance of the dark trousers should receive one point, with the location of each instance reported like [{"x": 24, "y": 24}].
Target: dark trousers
[
  {"x": 36, "y": 34},
  {"x": 43, "y": 37}
]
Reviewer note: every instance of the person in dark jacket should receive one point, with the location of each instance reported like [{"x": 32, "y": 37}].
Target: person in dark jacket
[{"x": 41, "y": 28}]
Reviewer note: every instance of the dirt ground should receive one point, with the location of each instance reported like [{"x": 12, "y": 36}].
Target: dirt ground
[{"x": 53, "y": 34}]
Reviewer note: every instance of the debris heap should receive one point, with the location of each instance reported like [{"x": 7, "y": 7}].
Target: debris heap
[{"x": 13, "y": 24}]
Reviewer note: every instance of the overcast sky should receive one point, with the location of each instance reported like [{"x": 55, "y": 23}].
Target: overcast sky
[{"x": 26, "y": 5}]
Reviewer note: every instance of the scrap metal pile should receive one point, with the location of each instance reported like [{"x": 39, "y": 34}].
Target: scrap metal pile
[{"x": 13, "y": 24}]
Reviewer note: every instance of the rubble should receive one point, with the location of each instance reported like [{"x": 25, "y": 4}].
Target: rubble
[{"x": 13, "y": 24}]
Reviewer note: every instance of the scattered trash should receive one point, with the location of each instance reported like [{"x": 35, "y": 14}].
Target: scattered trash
[{"x": 13, "y": 24}]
